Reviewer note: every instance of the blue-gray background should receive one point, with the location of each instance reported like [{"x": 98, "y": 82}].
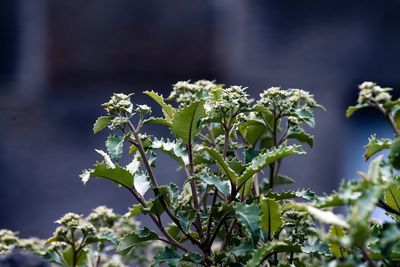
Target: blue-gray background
[{"x": 59, "y": 60}]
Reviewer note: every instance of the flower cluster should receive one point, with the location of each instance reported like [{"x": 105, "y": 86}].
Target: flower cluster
[
  {"x": 185, "y": 92},
  {"x": 370, "y": 91},
  {"x": 119, "y": 103},
  {"x": 274, "y": 98},
  {"x": 8, "y": 240},
  {"x": 233, "y": 99},
  {"x": 69, "y": 220},
  {"x": 102, "y": 217}
]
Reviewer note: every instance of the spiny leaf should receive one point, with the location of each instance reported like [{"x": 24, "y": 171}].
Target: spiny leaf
[
  {"x": 141, "y": 183},
  {"x": 263, "y": 160},
  {"x": 174, "y": 149},
  {"x": 306, "y": 194},
  {"x": 168, "y": 256},
  {"x": 114, "y": 146},
  {"x": 270, "y": 215},
  {"x": 334, "y": 236},
  {"x": 392, "y": 198},
  {"x": 101, "y": 123},
  {"x": 212, "y": 180},
  {"x": 249, "y": 217},
  {"x": 376, "y": 145},
  {"x": 186, "y": 218},
  {"x": 157, "y": 121},
  {"x": 117, "y": 174},
  {"x": 300, "y": 135},
  {"x": 222, "y": 164},
  {"x": 168, "y": 110},
  {"x": 185, "y": 124},
  {"x": 131, "y": 240}
]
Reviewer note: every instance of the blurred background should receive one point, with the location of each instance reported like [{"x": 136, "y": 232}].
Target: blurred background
[{"x": 59, "y": 60}]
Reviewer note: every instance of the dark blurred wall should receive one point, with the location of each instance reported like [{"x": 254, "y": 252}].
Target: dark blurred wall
[{"x": 61, "y": 59}]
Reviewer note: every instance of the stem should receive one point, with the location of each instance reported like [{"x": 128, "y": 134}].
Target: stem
[
  {"x": 367, "y": 257},
  {"x": 387, "y": 208},
  {"x": 388, "y": 116}
]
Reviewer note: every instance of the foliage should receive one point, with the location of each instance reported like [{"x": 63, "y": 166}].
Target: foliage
[{"x": 229, "y": 212}]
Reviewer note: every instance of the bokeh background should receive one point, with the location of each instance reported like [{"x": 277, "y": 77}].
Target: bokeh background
[{"x": 59, "y": 60}]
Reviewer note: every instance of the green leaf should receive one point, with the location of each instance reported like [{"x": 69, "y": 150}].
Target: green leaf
[
  {"x": 185, "y": 124},
  {"x": 168, "y": 110},
  {"x": 131, "y": 240},
  {"x": 153, "y": 120},
  {"x": 300, "y": 135},
  {"x": 114, "y": 146},
  {"x": 350, "y": 110},
  {"x": 101, "y": 123},
  {"x": 392, "y": 198},
  {"x": 270, "y": 215},
  {"x": 306, "y": 194},
  {"x": 168, "y": 256},
  {"x": 81, "y": 258},
  {"x": 374, "y": 170},
  {"x": 212, "y": 180},
  {"x": 376, "y": 145},
  {"x": 186, "y": 218},
  {"x": 306, "y": 115},
  {"x": 260, "y": 253},
  {"x": 134, "y": 211},
  {"x": 252, "y": 130},
  {"x": 118, "y": 174},
  {"x": 264, "y": 159},
  {"x": 283, "y": 179},
  {"x": 394, "y": 155},
  {"x": 334, "y": 235},
  {"x": 326, "y": 216},
  {"x": 174, "y": 149},
  {"x": 249, "y": 217},
  {"x": 226, "y": 169}
]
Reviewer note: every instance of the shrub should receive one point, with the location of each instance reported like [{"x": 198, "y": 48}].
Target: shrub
[{"x": 229, "y": 210}]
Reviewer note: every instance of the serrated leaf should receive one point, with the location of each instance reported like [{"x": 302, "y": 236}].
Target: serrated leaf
[
  {"x": 249, "y": 217},
  {"x": 107, "y": 158},
  {"x": 283, "y": 179},
  {"x": 174, "y": 149},
  {"x": 334, "y": 235},
  {"x": 306, "y": 115},
  {"x": 270, "y": 215},
  {"x": 186, "y": 218},
  {"x": 225, "y": 168},
  {"x": 185, "y": 124},
  {"x": 134, "y": 211},
  {"x": 131, "y": 240},
  {"x": 114, "y": 146},
  {"x": 392, "y": 198},
  {"x": 117, "y": 174},
  {"x": 167, "y": 109},
  {"x": 301, "y": 136},
  {"x": 154, "y": 120},
  {"x": 101, "y": 123},
  {"x": 306, "y": 194},
  {"x": 168, "y": 256},
  {"x": 264, "y": 159},
  {"x": 212, "y": 180},
  {"x": 260, "y": 253},
  {"x": 133, "y": 167},
  {"x": 141, "y": 183},
  {"x": 376, "y": 145}
]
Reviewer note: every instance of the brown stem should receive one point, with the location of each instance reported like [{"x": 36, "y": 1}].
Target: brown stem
[
  {"x": 388, "y": 116},
  {"x": 367, "y": 257}
]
